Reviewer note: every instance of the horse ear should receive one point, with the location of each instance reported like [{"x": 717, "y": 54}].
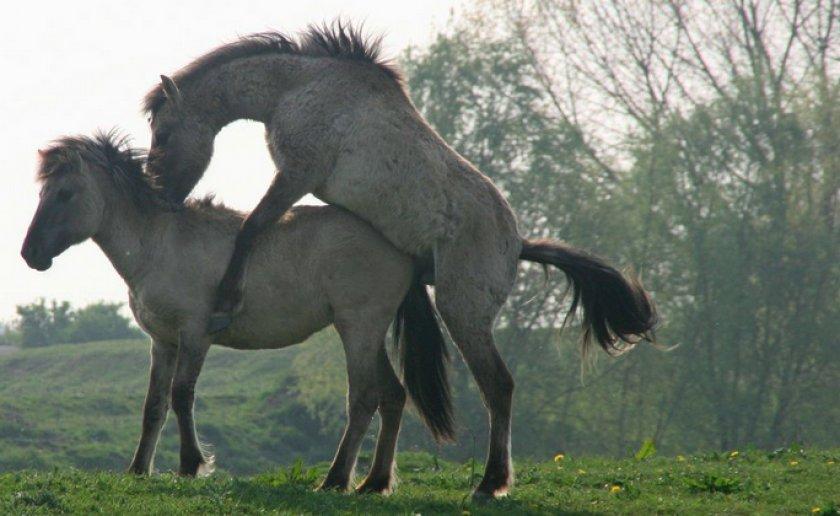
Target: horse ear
[
  {"x": 77, "y": 162},
  {"x": 170, "y": 89}
]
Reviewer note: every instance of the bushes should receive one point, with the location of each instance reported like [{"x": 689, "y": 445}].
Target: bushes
[{"x": 40, "y": 324}]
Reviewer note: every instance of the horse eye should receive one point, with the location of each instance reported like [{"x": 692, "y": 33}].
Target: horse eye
[
  {"x": 161, "y": 138},
  {"x": 64, "y": 195}
]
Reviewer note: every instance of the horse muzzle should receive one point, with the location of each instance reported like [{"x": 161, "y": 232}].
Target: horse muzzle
[{"x": 35, "y": 258}]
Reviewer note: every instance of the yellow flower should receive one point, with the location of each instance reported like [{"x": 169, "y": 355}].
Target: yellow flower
[
  {"x": 680, "y": 458},
  {"x": 734, "y": 454},
  {"x": 830, "y": 463},
  {"x": 816, "y": 510},
  {"x": 615, "y": 489},
  {"x": 794, "y": 462},
  {"x": 581, "y": 472},
  {"x": 559, "y": 457}
]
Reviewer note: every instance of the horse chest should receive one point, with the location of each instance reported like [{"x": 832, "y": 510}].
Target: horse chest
[{"x": 158, "y": 316}]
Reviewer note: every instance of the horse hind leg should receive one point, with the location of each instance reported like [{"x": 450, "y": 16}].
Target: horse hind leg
[
  {"x": 362, "y": 401},
  {"x": 496, "y": 385},
  {"x": 471, "y": 288},
  {"x": 391, "y": 404}
]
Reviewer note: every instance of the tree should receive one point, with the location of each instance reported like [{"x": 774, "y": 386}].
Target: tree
[
  {"x": 695, "y": 141},
  {"x": 100, "y": 321},
  {"x": 40, "y": 324}
]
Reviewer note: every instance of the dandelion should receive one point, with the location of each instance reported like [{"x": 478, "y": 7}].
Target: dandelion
[
  {"x": 581, "y": 472},
  {"x": 830, "y": 462},
  {"x": 680, "y": 458},
  {"x": 815, "y": 510},
  {"x": 615, "y": 489},
  {"x": 794, "y": 462},
  {"x": 559, "y": 457},
  {"x": 734, "y": 454}
]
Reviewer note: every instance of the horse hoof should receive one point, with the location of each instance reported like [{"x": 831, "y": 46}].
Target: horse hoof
[
  {"x": 206, "y": 468},
  {"x": 480, "y": 496},
  {"x": 375, "y": 486},
  {"x": 219, "y": 321},
  {"x": 332, "y": 485},
  {"x": 138, "y": 471}
]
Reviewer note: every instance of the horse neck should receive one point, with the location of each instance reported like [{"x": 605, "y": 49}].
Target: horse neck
[
  {"x": 127, "y": 237},
  {"x": 247, "y": 88}
]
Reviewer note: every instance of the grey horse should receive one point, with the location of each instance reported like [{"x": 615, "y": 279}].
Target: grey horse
[{"x": 340, "y": 125}]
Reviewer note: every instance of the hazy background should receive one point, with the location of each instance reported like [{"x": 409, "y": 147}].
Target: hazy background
[
  {"x": 693, "y": 141},
  {"x": 73, "y": 67}
]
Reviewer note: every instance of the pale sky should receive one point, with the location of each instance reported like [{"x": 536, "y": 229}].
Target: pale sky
[{"x": 73, "y": 67}]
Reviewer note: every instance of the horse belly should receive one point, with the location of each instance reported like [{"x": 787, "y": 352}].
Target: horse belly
[{"x": 276, "y": 312}]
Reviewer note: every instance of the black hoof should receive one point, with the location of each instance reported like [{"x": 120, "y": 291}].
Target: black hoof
[
  {"x": 486, "y": 493},
  {"x": 333, "y": 484},
  {"x": 375, "y": 486},
  {"x": 219, "y": 321},
  {"x": 484, "y": 497},
  {"x": 137, "y": 470}
]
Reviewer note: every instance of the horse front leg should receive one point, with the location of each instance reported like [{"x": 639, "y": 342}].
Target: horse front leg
[
  {"x": 192, "y": 350},
  {"x": 155, "y": 406},
  {"x": 286, "y": 189}
]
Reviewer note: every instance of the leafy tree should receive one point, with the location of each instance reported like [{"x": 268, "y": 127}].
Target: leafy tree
[
  {"x": 100, "y": 321},
  {"x": 40, "y": 324},
  {"x": 703, "y": 156}
]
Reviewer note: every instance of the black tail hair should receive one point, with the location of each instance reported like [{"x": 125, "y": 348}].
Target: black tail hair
[
  {"x": 424, "y": 359},
  {"x": 615, "y": 308}
]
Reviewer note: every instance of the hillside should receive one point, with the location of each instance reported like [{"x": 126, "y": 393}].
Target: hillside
[{"x": 79, "y": 405}]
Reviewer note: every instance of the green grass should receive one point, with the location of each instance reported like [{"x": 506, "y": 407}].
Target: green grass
[
  {"x": 79, "y": 405},
  {"x": 753, "y": 482},
  {"x": 70, "y": 418}
]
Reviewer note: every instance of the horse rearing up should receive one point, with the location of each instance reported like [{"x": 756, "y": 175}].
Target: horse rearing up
[
  {"x": 340, "y": 124},
  {"x": 319, "y": 265}
]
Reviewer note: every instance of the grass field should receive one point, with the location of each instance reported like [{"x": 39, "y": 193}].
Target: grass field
[
  {"x": 79, "y": 405},
  {"x": 787, "y": 481},
  {"x": 70, "y": 417}
]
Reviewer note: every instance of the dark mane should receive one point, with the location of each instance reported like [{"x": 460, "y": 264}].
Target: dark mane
[
  {"x": 338, "y": 40},
  {"x": 208, "y": 205},
  {"x": 111, "y": 152}
]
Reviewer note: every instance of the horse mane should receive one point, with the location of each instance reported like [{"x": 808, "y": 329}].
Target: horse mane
[
  {"x": 338, "y": 40},
  {"x": 111, "y": 152}
]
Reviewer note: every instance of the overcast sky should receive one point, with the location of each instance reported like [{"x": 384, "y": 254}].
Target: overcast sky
[{"x": 72, "y": 67}]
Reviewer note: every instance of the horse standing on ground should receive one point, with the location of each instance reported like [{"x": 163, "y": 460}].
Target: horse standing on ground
[
  {"x": 318, "y": 266},
  {"x": 340, "y": 125}
]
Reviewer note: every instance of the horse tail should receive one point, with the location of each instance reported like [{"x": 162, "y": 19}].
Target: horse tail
[
  {"x": 615, "y": 308},
  {"x": 424, "y": 360}
]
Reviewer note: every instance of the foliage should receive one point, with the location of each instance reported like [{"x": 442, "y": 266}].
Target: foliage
[
  {"x": 662, "y": 139},
  {"x": 39, "y": 324},
  {"x": 646, "y": 451}
]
